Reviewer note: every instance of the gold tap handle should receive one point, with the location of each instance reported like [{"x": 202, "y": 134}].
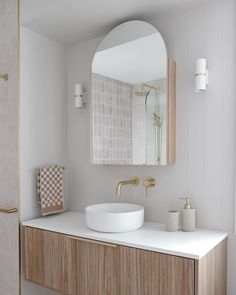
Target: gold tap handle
[
  {"x": 8, "y": 210},
  {"x": 148, "y": 182}
]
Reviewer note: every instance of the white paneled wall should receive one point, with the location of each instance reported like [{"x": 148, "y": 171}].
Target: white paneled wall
[
  {"x": 205, "y": 122},
  {"x": 204, "y": 167}
]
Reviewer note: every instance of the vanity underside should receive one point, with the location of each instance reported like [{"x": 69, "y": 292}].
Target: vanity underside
[{"x": 78, "y": 266}]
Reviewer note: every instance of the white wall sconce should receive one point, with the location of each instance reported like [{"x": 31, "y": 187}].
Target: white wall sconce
[
  {"x": 79, "y": 102},
  {"x": 201, "y": 75}
]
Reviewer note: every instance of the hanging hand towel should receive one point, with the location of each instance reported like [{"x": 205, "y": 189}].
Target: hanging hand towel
[{"x": 50, "y": 189}]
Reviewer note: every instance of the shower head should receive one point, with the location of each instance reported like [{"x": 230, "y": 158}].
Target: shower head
[{"x": 142, "y": 91}]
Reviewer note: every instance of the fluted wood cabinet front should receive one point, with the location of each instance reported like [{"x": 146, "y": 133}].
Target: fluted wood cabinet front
[
  {"x": 77, "y": 266},
  {"x": 150, "y": 273},
  {"x": 70, "y": 265},
  {"x": 50, "y": 260},
  {"x": 97, "y": 271}
]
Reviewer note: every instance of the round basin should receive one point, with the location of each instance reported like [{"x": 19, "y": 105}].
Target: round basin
[{"x": 114, "y": 217}]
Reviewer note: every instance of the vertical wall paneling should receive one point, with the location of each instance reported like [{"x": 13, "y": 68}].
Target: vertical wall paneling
[{"x": 205, "y": 123}]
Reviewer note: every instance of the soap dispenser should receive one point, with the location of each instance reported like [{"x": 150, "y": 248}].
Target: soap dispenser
[{"x": 188, "y": 216}]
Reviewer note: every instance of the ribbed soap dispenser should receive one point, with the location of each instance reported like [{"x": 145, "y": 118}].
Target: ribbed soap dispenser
[{"x": 188, "y": 216}]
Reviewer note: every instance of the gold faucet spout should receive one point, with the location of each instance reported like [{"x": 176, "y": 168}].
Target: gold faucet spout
[{"x": 133, "y": 181}]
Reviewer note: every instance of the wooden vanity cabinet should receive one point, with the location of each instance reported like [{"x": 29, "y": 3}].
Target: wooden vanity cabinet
[
  {"x": 77, "y": 266},
  {"x": 50, "y": 260},
  {"x": 70, "y": 265}
]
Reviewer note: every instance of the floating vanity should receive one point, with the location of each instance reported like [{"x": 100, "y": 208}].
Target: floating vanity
[{"x": 61, "y": 253}]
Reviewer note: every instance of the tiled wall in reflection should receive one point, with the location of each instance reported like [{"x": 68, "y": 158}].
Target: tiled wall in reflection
[{"x": 112, "y": 121}]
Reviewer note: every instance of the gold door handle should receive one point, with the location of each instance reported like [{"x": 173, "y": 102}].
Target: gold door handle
[{"x": 8, "y": 210}]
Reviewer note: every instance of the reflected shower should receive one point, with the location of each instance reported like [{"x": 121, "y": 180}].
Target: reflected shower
[{"x": 144, "y": 90}]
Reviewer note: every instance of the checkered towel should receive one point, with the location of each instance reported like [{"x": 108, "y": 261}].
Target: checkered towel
[{"x": 50, "y": 189}]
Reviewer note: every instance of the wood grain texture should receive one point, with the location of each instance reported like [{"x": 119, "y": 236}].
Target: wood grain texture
[
  {"x": 49, "y": 260},
  {"x": 211, "y": 272},
  {"x": 69, "y": 267},
  {"x": 96, "y": 269},
  {"x": 92, "y": 241},
  {"x": 150, "y": 273},
  {"x": 78, "y": 266},
  {"x": 171, "y": 111}
]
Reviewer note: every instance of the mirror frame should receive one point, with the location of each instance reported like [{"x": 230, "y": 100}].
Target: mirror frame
[{"x": 171, "y": 100}]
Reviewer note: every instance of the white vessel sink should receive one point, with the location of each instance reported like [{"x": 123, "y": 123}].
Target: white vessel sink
[{"x": 114, "y": 217}]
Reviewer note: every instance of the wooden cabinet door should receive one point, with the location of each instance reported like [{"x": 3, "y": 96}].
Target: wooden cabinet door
[
  {"x": 50, "y": 260},
  {"x": 76, "y": 266},
  {"x": 149, "y": 273},
  {"x": 96, "y": 268}
]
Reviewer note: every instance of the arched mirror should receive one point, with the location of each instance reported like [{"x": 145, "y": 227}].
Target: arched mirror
[{"x": 133, "y": 98}]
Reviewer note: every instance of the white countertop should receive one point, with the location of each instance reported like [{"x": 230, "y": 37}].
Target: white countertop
[{"x": 152, "y": 236}]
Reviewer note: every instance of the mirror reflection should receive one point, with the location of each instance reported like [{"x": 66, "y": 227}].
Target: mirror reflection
[{"x": 129, "y": 97}]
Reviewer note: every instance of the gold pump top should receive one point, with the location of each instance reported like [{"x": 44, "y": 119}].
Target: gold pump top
[{"x": 187, "y": 204}]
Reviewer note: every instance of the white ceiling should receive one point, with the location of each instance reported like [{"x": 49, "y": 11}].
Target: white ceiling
[
  {"x": 133, "y": 62},
  {"x": 74, "y": 21}
]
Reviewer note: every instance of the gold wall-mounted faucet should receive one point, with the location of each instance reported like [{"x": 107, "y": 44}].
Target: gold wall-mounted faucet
[{"x": 133, "y": 181}]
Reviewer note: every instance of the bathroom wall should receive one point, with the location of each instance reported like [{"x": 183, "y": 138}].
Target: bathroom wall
[
  {"x": 204, "y": 166},
  {"x": 205, "y": 146},
  {"x": 42, "y": 120}
]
